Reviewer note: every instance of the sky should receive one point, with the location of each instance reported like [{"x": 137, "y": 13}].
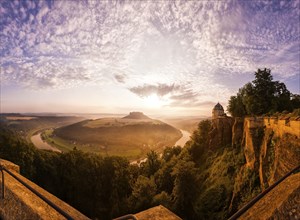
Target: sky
[{"x": 159, "y": 57}]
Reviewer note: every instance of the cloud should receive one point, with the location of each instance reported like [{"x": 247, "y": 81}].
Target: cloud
[
  {"x": 192, "y": 104},
  {"x": 188, "y": 94},
  {"x": 159, "y": 89},
  {"x": 157, "y": 44},
  {"x": 120, "y": 78}
]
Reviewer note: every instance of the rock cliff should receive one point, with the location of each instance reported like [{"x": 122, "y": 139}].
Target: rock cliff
[
  {"x": 221, "y": 133},
  {"x": 270, "y": 147}
]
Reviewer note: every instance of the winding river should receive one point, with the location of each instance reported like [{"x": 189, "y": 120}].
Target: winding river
[
  {"x": 40, "y": 144},
  {"x": 181, "y": 142},
  {"x": 185, "y": 138}
]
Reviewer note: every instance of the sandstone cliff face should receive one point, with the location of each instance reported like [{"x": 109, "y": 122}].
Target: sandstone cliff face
[
  {"x": 251, "y": 142},
  {"x": 237, "y": 132},
  {"x": 271, "y": 148},
  {"x": 278, "y": 156},
  {"x": 221, "y": 133}
]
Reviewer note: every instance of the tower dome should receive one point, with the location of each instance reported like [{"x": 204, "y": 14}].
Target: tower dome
[
  {"x": 218, "y": 107},
  {"x": 217, "y": 111}
]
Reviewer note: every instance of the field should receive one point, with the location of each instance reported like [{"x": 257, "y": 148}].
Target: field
[
  {"x": 115, "y": 136},
  {"x": 131, "y": 138},
  {"x": 67, "y": 145},
  {"x": 119, "y": 122}
]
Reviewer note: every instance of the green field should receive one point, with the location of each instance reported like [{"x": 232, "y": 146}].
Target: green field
[
  {"x": 119, "y": 122},
  {"x": 116, "y": 150},
  {"x": 131, "y": 138}
]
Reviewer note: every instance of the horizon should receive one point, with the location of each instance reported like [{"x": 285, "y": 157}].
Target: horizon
[
  {"x": 169, "y": 58},
  {"x": 104, "y": 115}
]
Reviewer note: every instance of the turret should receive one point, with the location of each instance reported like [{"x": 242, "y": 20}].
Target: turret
[{"x": 217, "y": 111}]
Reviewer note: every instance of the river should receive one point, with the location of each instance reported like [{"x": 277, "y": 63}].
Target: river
[
  {"x": 40, "y": 144},
  {"x": 185, "y": 138},
  {"x": 181, "y": 142}
]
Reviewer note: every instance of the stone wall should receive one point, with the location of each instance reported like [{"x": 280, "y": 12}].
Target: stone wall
[
  {"x": 20, "y": 203},
  {"x": 282, "y": 202},
  {"x": 283, "y": 126}
]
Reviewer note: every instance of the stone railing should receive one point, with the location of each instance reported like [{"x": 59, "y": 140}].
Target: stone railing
[{"x": 21, "y": 200}]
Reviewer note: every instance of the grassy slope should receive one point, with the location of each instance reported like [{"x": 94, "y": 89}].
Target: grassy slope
[{"x": 115, "y": 136}]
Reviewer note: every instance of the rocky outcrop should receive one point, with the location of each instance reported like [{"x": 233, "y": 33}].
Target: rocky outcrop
[
  {"x": 237, "y": 132},
  {"x": 221, "y": 133},
  {"x": 279, "y": 155},
  {"x": 136, "y": 115},
  {"x": 252, "y": 139},
  {"x": 270, "y": 146}
]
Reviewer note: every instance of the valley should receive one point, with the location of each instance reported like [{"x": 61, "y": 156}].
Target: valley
[{"x": 130, "y": 137}]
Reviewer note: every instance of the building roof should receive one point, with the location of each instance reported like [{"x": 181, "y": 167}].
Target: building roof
[{"x": 218, "y": 107}]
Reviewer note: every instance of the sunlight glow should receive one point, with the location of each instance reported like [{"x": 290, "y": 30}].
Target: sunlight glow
[{"x": 153, "y": 101}]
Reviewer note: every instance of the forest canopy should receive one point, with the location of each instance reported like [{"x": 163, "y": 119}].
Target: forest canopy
[{"x": 262, "y": 96}]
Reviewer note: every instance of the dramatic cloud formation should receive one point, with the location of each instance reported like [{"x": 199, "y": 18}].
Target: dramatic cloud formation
[
  {"x": 192, "y": 52},
  {"x": 160, "y": 89}
]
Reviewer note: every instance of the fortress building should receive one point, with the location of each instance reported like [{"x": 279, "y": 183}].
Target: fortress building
[{"x": 218, "y": 111}]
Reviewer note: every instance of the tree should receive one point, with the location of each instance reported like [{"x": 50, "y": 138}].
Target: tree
[
  {"x": 163, "y": 178},
  {"x": 282, "y": 98},
  {"x": 261, "y": 96},
  {"x": 186, "y": 189},
  {"x": 169, "y": 152},
  {"x": 143, "y": 193},
  {"x": 200, "y": 139},
  {"x": 264, "y": 89},
  {"x": 295, "y": 101},
  {"x": 236, "y": 106},
  {"x": 152, "y": 164}
]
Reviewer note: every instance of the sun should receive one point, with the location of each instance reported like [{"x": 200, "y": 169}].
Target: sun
[{"x": 153, "y": 101}]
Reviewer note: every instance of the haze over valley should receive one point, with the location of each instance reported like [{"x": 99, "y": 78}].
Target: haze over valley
[{"x": 166, "y": 109}]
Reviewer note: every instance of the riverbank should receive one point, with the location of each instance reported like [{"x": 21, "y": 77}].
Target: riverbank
[
  {"x": 40, "y": 144},
  {"x": 181, "y": 142}
]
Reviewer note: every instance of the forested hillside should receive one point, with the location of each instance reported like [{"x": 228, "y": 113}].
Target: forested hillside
[
  {"x": 109, "y": 187},
  {"x": 200, "y": 181}
]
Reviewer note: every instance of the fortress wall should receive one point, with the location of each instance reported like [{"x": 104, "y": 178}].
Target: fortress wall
[
  {"x": 254, "y": 122},
  {"x": 283, "y": 126},
  {"x": 20, "y": 203}
]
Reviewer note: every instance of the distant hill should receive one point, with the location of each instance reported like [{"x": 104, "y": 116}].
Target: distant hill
[
  {"x": 120, "y": 136},
  {"x": 26, "y": 125},
  {"x": 136, "y": 115}
]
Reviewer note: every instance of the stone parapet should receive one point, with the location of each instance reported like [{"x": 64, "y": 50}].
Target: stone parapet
[
  {"x": 21, "y": 203},
  {"x": 282, "y": 202},
  {"x": 283, "y": 125}
]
